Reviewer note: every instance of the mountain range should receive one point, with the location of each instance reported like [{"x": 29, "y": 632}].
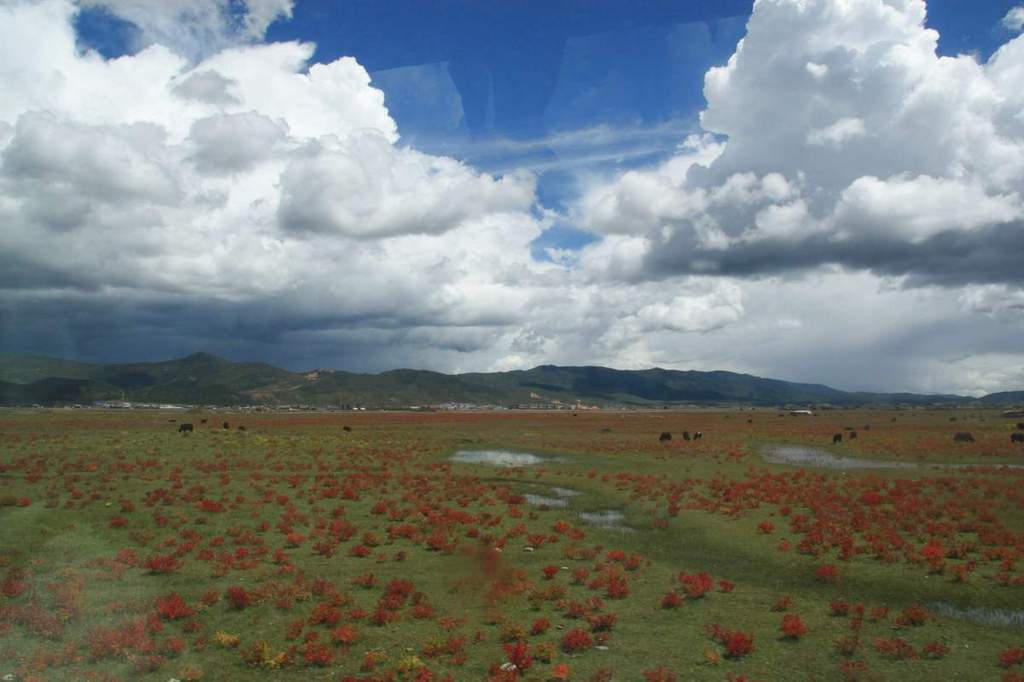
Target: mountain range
[{"x": 204, "y": 379}]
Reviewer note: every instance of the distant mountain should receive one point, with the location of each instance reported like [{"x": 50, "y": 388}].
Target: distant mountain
[
  {"x": 1004, "y": 398},
  {"x": 205, "y": 379}
]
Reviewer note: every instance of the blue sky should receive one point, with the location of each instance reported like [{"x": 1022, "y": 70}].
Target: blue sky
[{"x": 474, "y": 186}]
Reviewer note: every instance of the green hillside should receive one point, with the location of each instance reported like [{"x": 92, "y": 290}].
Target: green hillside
[{"x": 202, "y": 378}]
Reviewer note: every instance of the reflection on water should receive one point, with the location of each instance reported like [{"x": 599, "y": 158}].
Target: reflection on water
[
  {"x": 498, "y": 458},
  {"x": 608, "y": 519},
  {"x": 545, "y": 501},
  {"x": 560, "y": 498},
  {"x": 803, "y": 455},
  {"x": 1002, "y": 617},
  {"x": 808, "y": 456}
]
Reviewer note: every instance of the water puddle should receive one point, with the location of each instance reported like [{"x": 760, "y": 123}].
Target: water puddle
[
  {"x": 808, "y": 456},
  {"x": 559, "y": 497},
  {"x": 545, "y": 501},
  {"x": 607, "y": 519},
  {"x": 499, "y": 458},
  {"x": 1001, "y": 617}
]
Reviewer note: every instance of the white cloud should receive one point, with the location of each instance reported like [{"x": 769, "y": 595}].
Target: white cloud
[
  {"x": 232, "y": 143},
  {"x": 1014, "y": 19},
  {"x": 994, "y": 299},
  {"x": 366, "y": 187},
  {"x": 836, "y": 134},
  {"x": 921, "y": 207},
  {"x": 867, "y": 133},
  {"x": 712, "y": 310}
]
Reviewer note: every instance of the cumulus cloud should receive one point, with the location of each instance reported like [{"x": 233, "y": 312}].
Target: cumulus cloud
[
  {"x": 366, "y": 187},
  {"x": 843, "y": 138},
  {"x": 252, "y": 202},
  {"x": 232, "y": 143},
  {"x": 209, "y": 87}
]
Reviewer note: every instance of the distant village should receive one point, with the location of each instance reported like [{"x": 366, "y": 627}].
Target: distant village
[{"x": 538, "y": 404}]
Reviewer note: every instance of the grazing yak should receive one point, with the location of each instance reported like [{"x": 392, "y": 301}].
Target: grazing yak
[
  {"x": 853, "y": 435},
  {"x": 963, "y": 437},
  {"x": 686, "y": 435},
  {"x": 698, "y": 435},
  {"x": 227, "y": 426},
  {"x": 1017, "y": 437},
  {"x": 185, "y": 428},
  {"x": 837, "y": 438},
  {"x": 346, "y": 428},
  {"x": 664, "y": 437}
]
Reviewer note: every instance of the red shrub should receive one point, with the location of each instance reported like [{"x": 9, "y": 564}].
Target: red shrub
[
  {"x": 163, "y": 564},
  {"x": 519, "y": 655},
  {"x": 839, "y": 607},
  {"x": 540, "y": 626},
  {"x": 238, "y": 598},
  {"x": 1014, "y": 656},
  {"x": 602, "y": 622},
  {"x": 738, "y": 644},
  {"x": 173, "y": 607},
  {"x": 423, "y": 611},
  {"x": 671, "y": 600},
  {"x": 576, "y": 640},
  {"x": 345, "y": 635},
  {"x": 366, "y": 580},
  {"x": 696, "y": 585},
  {"x": 617, "y": 587},
  {"x": 828, "y": 573},
  {"x": 792, "y": 627},
  {"x": 895, "y": 648},
  {"x": 659, "y": 674},
  {"x": 325, "y": 614},
  {"x": 935, "y": 650},
  {"x": 211, "y": 506},
  {"x": 912, "y": 616},
  {"x": 317, "y": 654}
]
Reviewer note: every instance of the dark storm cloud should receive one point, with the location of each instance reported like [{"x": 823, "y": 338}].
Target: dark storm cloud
[{"x": 983, "y": 256}]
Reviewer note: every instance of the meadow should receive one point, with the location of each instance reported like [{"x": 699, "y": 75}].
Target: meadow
[{"x": 352, "y": 547}]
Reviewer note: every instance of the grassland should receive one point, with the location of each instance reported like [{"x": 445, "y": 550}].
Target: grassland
[{"x": 299, "y": 549}]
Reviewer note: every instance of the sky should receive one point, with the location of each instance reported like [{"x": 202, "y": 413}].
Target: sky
[{"x": 814, "y": 190}]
